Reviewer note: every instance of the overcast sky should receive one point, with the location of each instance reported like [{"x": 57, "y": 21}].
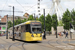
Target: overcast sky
[{"x": 30, "y": 6}]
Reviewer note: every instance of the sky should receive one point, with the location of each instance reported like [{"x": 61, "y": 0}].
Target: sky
[{"x": 30, "y": 6}]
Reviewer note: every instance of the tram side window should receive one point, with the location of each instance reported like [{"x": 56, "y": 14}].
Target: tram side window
[
  {"x": 23, "y": 28},
  {"x": 27, "y": 28}
]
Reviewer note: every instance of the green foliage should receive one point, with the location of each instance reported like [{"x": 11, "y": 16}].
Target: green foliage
[
  {"x": 54, "y": 21},
  {"x": 73, "y": 17},
  {"x": 30, "y": 17},
  {"x": 66, "y": 19},
  {"x": 48, "y": 22},
  {"x": 60, "y": 23},
  {"x": 41, "y": 19},
  {"x": 24, "y": 20},
  {"x": 9, "y": 24},
  {"x": 17, "y": 21},
  {"x": 37, "y": 19}
]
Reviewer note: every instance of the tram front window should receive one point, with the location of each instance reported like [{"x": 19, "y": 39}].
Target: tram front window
[{"x": 36, "y": 30}]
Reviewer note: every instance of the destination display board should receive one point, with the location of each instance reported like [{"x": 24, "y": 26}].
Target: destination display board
[{"x": 35, "y": 23}]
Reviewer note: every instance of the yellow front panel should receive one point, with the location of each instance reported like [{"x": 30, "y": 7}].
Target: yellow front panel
[
  {"x": 36, "y": 37},
  {"x": 27, "y": 37}
]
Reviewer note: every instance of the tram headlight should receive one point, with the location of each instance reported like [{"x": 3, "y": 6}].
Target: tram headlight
[{"x": 32, "y": 35}]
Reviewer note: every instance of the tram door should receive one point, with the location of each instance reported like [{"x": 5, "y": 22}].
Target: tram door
[
  {"x": 23, "y": 32},
  {"x": 28, "y": 35}
]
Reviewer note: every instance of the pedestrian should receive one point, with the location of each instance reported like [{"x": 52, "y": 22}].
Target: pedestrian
[
  {"x": 60, "y": 34},
  {"x": 66, "y": 34},
  {"x": 42, "y": 34}
]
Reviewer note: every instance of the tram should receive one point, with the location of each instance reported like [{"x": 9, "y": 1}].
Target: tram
[{"x": 28, "y": 31}]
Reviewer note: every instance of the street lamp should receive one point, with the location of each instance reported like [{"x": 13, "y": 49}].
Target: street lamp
[{"x": 13, "y": 23}]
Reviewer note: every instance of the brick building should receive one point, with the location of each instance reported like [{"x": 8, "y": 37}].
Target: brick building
[
  {"x": 10, "y": 18},
  {"x": 4, "y": 19},
  {"x": 3, "y": 22},
  {"x": 2, "y": 25}
]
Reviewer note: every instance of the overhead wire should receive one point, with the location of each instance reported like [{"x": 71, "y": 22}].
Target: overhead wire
[
  {"x": 20, "y": 4},
  {"x": 4, "y": 5},
  {"x": 30, "y": 7},
  {"x": 23, "y": 7}
]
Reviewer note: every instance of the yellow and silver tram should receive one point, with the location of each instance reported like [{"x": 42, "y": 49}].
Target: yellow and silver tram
[{"x": 28, "y": 31}]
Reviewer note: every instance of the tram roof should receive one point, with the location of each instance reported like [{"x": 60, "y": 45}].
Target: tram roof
[{"x": 28, "y": 22}]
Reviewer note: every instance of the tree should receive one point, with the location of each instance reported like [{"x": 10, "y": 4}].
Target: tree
[
  {"x": 48, "y": 22},
  {"x": 73, "y": 17},
  {"x": 30, "y": 17},
  {"x": 66, "y": 19},
  {"x": 24, "y": 20},
  {"x": 41, "y": 19},
  {"x": 60, "y": 23},
  {"x": 9, "y": 24},
  {"x": 17, "y": 21},
  {"x": 54, "y": 21}
]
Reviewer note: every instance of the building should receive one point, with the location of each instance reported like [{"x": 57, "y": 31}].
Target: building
[
  {"x": 3, "y": 22},
  {"x": 0, "y": 18},
  {"x": 4, "y": 19},
  {"x": 2, "y": 28},
  {"x": 10, "y": 18}
]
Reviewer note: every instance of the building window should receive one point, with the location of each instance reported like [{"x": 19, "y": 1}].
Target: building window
[
  {"x": 38, "y": 7},
  {"x": 38, "y": 3},
  {"x": 0, "y": 32},
  {"x": 3, "y": 28},
  {"x": 0, "y": 28},
  {"x": 0, "y": 20}
]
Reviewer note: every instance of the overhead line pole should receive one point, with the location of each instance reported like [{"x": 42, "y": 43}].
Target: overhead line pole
[
  {"x": 44, "y": 36},
  {"x": 13, "y": 25},
  {"x": 7, "y": 28}
]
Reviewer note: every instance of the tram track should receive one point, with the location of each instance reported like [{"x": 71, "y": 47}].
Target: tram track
[
  {"x": 64, "y": 44},
  {"x": 53, "y": 45},
  {"x": 23, "y": 46},
  {"x": 58, "y": 42},
  {"x": 16, "y": 44},
  {"x": 72, "y": 45},
  {"x": 50, "y": 45},
  {"x": 49, "y": 42},
  {"x": 2, "y": 46}
]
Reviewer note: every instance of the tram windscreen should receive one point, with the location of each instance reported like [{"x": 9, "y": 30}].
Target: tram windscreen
[{"x": 36, "y": 29}]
